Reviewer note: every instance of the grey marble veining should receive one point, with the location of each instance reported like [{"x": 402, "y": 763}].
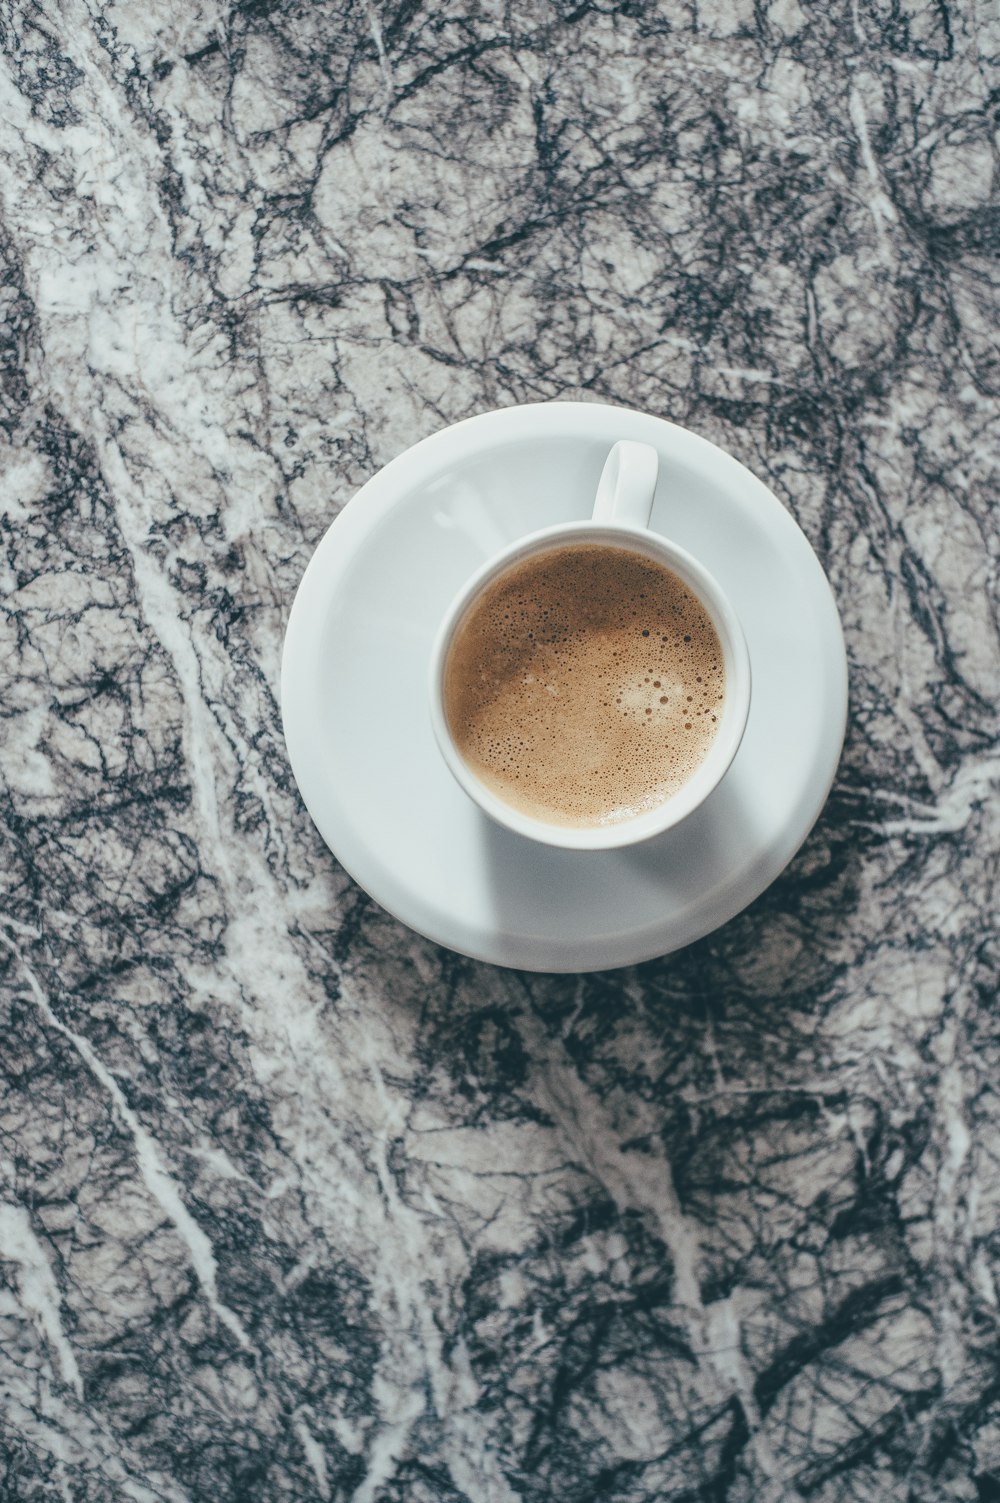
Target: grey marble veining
[{"x": 294, "y": 1204}]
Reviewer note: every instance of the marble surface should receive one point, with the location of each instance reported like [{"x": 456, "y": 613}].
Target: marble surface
[{"x": 294, "y": 1204}]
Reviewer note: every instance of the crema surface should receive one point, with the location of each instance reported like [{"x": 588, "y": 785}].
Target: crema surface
[{"x": 585, "y": 684}]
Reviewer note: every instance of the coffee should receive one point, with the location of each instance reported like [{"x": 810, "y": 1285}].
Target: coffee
[{"x": 585, "y": 684}]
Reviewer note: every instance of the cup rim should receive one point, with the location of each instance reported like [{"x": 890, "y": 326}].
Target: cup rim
[{"x": 718, "y": 758}]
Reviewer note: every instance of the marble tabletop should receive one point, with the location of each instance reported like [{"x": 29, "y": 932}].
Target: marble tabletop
[{"x": 293, "y": 1203}]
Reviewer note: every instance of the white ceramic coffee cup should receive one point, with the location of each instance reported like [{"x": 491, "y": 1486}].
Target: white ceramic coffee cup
[{"x": 620, "y": 518}]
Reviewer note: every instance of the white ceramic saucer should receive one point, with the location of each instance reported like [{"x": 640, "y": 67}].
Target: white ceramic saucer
[{"x": 354, "y": 694}]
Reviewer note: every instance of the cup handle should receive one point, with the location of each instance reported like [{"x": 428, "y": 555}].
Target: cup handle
[{"x": 625, "y": 490}]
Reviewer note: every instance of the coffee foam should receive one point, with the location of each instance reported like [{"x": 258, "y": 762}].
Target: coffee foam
[{"x": 585, "y": 684}]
